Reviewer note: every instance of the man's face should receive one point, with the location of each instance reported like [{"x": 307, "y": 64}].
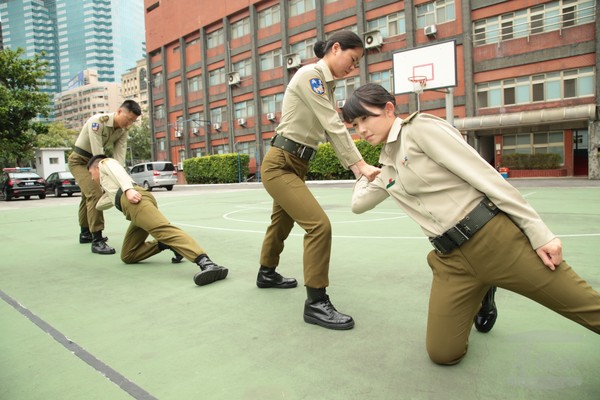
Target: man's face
[
  {"x": 124, "y": 118},
  {"x": 95, "y": 173}
]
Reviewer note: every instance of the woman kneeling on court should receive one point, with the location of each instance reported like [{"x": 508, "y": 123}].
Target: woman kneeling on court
[{"x": 483, "y": 231}]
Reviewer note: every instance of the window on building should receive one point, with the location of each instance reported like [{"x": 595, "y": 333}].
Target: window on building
[
  {"x": 389, "y": 25},
  {"x": 541, "y": 18},
  {"x": 161, "y": 144},
  {"x": 178, "y": 89},
  {"x": 143, "y": 79},
  {"x": 345, "y": 87},
  {"x": 218, "y": 115},
  {"x": 195, "y": 84},
  {"x": 157, "y": 79},
  {"x": 436, "y": 12},
  {"x": 53, "y": 160},
  {"x": 535, "y": 143},
  {"x": 272, "y": 103},
  {"x": 216, "y": 76},
  {"x": 270, "y": 60},
  {"x": 243, "y": 67},
  {"x": 298, "y": 7},
  {"x": 537, "y": 88},
  {"x": 305, "y": 48},
  {"x": 383, "y": 78},
  {"x": 159, "y": 111},
  {"x": 269, "y": 16},
  {"x": 240, "y": 28},
  {"x": 221, "y": 149},
  {"x": 244, "y": 109},
  {"x": 215, "y": 39}
]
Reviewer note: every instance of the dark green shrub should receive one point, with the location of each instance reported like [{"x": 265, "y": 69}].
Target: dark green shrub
[
  {"x": 221, "y": 168},
  {"x": 531, "y": 161},
  {"x": 326, "y": 166}
]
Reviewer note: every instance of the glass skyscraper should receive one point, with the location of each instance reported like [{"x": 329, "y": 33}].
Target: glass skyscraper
[{"x": 75, "y": 35}]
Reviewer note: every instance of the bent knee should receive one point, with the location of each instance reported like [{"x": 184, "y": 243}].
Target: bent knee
[
  {"x": 446, "y": 356},
  {"x": 127, "y": 259}
]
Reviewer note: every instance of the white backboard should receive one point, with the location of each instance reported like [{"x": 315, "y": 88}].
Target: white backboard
[{"x": 436, "y": 63}]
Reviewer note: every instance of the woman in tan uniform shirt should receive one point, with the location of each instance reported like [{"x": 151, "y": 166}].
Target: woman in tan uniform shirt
[
  {"x": 308, "y": 115},
  {"x": 484, "y": 232}
]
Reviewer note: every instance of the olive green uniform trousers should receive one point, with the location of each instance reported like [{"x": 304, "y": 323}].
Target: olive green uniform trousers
[
  {"x": 497, "y": 255},
  {"x": 283, "y": 176},
  {"x": 91, "y": 192},
  {"x": 146, "y": 219}
]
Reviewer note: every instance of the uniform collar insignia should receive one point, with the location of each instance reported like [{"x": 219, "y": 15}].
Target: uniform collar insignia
[{"x": 390, "y": 183}]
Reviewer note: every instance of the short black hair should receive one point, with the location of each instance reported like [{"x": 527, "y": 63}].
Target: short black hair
[
  {"x": 95, "y": 158},
  {"x": 132, "y": 106},
  {"x": 369, "y": 94}
]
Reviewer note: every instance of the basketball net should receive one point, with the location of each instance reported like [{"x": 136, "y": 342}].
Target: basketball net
[{"x": 419, "y": 83}]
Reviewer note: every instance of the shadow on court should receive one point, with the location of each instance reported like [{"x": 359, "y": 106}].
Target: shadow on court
[{"x": 77, "y": 325}]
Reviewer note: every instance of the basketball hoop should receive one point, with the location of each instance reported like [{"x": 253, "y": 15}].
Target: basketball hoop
[{"x": 419, "y": 83}]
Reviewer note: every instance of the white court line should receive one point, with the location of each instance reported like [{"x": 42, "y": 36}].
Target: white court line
[
  {"x": 228, "y": 217},
  {"x": 262, "y": 232}
]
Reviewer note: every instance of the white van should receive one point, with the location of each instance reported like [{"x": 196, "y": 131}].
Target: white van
[{"x": 154, "y": 174}]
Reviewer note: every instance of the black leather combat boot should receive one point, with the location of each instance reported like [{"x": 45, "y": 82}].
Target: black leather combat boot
[
  {"x": 209, "y": 271},
  {"x": 269, "y": 278},
  {"x": 486, "y": 317},
  {"x": 318, "y": 310},
  {"x": 176, "y": 259}
]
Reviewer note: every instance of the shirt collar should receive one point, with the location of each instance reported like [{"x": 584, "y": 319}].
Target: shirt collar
[
  {"x": 395, "y": 131},
  {"x": 326, "y": 71}
]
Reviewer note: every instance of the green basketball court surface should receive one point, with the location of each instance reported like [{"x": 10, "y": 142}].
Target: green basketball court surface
[{"x": 77, "y": 325}]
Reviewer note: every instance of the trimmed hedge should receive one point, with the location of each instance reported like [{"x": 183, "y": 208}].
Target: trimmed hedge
[
  {"x": 326, "y": 166},
  {"x": 220, "y": 168},
  {"x": 531, "y": 161}
]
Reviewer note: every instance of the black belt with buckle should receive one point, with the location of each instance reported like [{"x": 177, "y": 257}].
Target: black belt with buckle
[
  {"x": 118, "y": 196},
  {"x": 297, "y": 149},
  {"x": 466, "y": 227}
]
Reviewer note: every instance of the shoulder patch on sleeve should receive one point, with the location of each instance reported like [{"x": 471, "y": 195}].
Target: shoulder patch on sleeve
[
  {"x": 95, "y": 126},
  {"x": 409, "y": 118},
  {"x": 317, "y": 86}
]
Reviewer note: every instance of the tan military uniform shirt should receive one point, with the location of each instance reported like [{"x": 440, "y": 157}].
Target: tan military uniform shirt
[
  {"x": 308, "y": 112},
  {"x": 98, "y": 132},
  {"x": 112, "y": 178},
  {"x": 437, "y": 179}
]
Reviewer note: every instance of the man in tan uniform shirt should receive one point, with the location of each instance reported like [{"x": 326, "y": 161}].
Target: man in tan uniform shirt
[
  {"x": 140, "y": 207},
  {"x": 99, "y": 132}
]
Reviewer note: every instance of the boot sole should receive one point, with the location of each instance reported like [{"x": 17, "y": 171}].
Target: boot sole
[
  {"x": 274, "y": 286},
  {"x": 205, "y": 277},
  {"x": 329, "y": 325}
]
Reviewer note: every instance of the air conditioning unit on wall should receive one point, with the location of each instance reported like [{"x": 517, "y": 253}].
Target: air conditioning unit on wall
[
  {"x": 217, "y": 126},
  {"x": 292, "y": 61},
  {"x": 271, "y": 117},
  {"x": 430, "y": 31},
  {"x": 241, "y": 121},
  {"x": 233, "y": 78},
  {"x": 373, "y": 39},
  {"x": 177, "y": 133}
]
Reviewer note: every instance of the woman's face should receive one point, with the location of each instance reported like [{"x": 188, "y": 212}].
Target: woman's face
[
  {"x": 342, "y": 62},
  {"x": 375, "y": 129}
]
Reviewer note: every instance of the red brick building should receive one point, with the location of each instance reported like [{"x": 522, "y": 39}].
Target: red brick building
[{"x": 526, "y": 70}]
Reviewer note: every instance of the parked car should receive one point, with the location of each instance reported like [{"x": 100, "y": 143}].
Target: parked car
[
  {"x": 154, "y": 174},
  {"x": 21, "y": 182},
  {"x": 60, "y": 183}
]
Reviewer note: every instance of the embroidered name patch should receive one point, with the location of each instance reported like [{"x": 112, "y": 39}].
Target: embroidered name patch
[
  {"x": 95, "y": 126},
  {"x": 317, "y": 86}
]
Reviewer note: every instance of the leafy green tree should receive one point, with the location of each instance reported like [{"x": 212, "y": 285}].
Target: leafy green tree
[
  {"x": 57, "y": 136},
  {"x": 139, "y": 141},
  {"x": 20, "y": 103}
]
